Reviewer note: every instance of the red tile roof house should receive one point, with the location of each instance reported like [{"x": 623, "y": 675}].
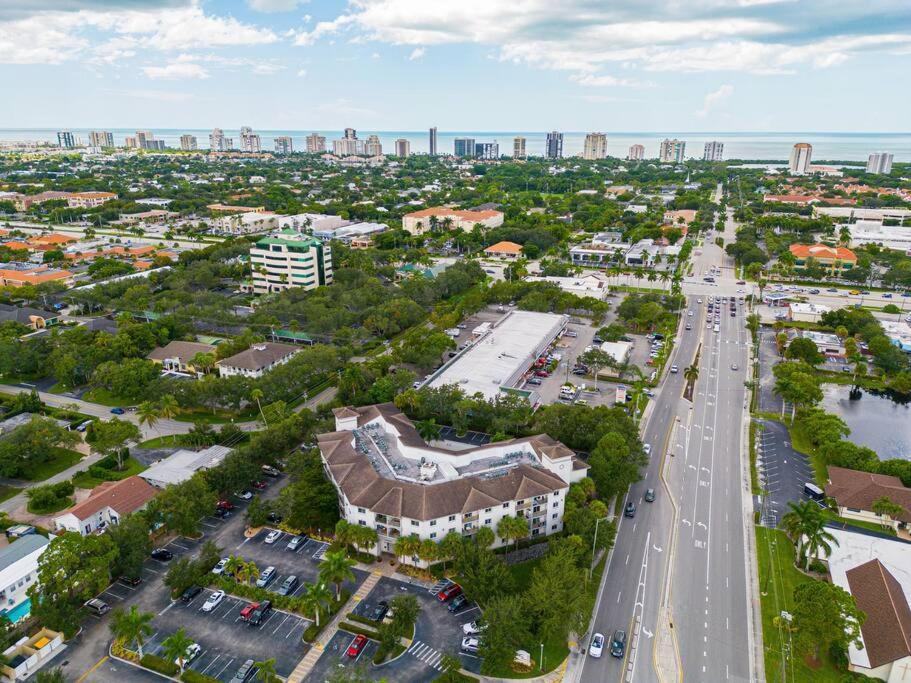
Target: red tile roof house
[
  {"x": 834, "y": 259},
  {"x": 509, "y": 250},
  {"x": 106, "y": 505}
]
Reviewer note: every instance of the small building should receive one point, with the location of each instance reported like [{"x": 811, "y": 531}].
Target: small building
[
  {"x": 30, "y": 654},
  {"x": 504, "y": 250},
  {"x": 619, "y": 351},
  {"x": 257, "y": 360},
  {"x": 855, "y": 492},
  {"x": 182, "y": 465},
  {"x": 899, "y": 333},
  {"x": 177, "y": 356},
  {"x": 775, "y": 299},
  {"x": 807, "y": 312},
  {"x": 829, "y": 345},
  {"x": 18, "y": 572},
  {"x": 682, "y": 217},
  {"x": 20, "y": 274},
  {"x": 419, "y": 222},
  {"x": 587, "y": 285},
  {"x": 598, "y": 254},
  {"x": 835, "y": 260},
  {"x": 106, "y": 504},
  {"x": 35, "y": 318},
  {"x": 89, "y": 200}
]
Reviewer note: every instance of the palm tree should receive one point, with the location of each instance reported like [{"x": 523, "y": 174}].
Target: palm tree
[
  {"x": 429, "y": 551},
  {"x": 167, "y": 407},
  {"x": 132, "y": 626},
  {"x": 512, "y": 528},
  {"x": 407, "y": 546},
  {"x": 147, "y": 413},
  {"x": 429, "y": 430},
  {"x": 233, "y": 566},
  {"x": 247, "y": 572},
  {"x": 54, "y": 675},
  {"x": 802, "y": 521},
  {"x": 818, "y": 539},
  {"x": 336, "y": 568},
  {"x": 265, "y": 671},
  {"x": 691, "y": 373},
  {"x": 175, "y": 647},
  {"x": 257, "y": 395},
  {"x": 316, "y": 597}
]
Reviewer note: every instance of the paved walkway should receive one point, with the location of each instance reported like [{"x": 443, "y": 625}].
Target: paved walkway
[{"x": 305, "y": 666}]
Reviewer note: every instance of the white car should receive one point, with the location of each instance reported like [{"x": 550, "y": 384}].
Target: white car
[
  {"x": 597, "y": 645},
  {"x": 675, "y": 369},
  {"x": 273, "y": 536},
  {"x": 471, "y": 645},
  {"x": 647, "y": 447},
  {"x": 213, "y": 601},
  {"x": 690, "y": 313},
  {"x": 244, "y": 495},
  {"x": 219, "y": 568},
  {"x": 472, "y": 628},
  {"x": 192, "y": 653}
]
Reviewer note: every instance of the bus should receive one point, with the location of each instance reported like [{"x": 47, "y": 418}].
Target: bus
[{"x": 814, "y": 492}]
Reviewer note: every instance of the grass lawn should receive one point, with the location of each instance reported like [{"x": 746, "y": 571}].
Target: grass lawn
[
  {"x": 106, "y": 398},
  {"x": 800, "y": 441},
  {"x": 872, "y": 526},
  {"x": 521, "y": 574},
  {"x": 172, "y": 440},
  {"x": 87, "y": 481},
  {"x": 777, "y": 580},
  {"x": 62, "y": 503},
  {"x": 62, "y": 459},
  {"x": 7, "y": 492}
]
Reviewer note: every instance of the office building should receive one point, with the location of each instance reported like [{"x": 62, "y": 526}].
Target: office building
[
  {"x": 349, "y": 145},
  {"x": 188, "y": 143},
  {"x": 250, "y": 141},
  {"x": 290, "y": 259},
  {"x": 373, "y": 147},
  {"x": 316, "y": 144},
  {"x": 801, "y": 158},
  {"x": 553, "y": 148},
  {"x": 388, "y": 478},
  {"x": 518, "y": 148},
  {"x": 402, "y": 148},
  {"x": 101, "y": 138},
  {"x": 66, "y": 139},
  {"x": 487, "y": 150},
  {"x": 283, "y": 144},
  {"x": 714, "y": 151},
  {"x": 18, "y": 573},
  {"x": 636, "y": 153},
  {"x": 595, "y": 146},
  {"x": 835, "y": 260},
  {"x": 217, "y": 140},
  {"x": 672, "y": 151},
  {"x": 464, "y": 147},
  {"x": 89, "y": 200},
  {"x": 880, "y": 162},
  {"x": 418, "y": 222},
  {"x": 433, "y": 142},
  {"x": 257, "y": 360}
]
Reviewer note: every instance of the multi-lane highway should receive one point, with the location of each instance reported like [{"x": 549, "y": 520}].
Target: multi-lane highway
[{"x": 680, "y": 567}]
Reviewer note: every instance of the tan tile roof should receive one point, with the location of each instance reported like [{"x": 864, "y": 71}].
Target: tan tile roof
[
  {"x": 504, "y": 248},
  {"x": 185, "y": 350},
  {"x": 442, "y": 212},
  {"x": 887, "y": 629},
  {"x": 822, "y": 251},
  {"x": 260, "y": 355},
  {"x": 124, "y": 496},
  {"x": 859, "y": 490}
]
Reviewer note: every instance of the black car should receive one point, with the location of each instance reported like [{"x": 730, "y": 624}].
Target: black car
[
  {"x": 162, "y": 554},
  {"x": 618, "y": 643},
  {"x": 650, "y": 495},
  {"x": 259, "y": 615},
  {"x": 275, "y": 518},
  {"x": 130, "y": 580},
  {"x": 190, "y": 593},
  {"x": 379, "y": 611},
  {"x": 630, "y": 510},
  {"x": 221, "y": 513},
  {"x": 459, "y": 603}
]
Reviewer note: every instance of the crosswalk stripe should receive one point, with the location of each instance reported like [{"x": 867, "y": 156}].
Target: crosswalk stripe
[{"x": 414, "y": 646}]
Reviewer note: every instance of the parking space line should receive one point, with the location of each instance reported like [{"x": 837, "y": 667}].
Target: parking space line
[
  {"x": 281, "y": 624},
  {"x": 217, "y": 657}
]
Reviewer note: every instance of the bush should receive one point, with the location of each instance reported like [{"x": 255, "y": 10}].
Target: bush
[
  {"x": 108, "y": 462},
  {"x": 362, "y": 620},
  {"x": 50, "y": 497},
  {"x": 191, "y": 676},
  {"x": 96, "y": 471},
  {"x": 382, "y": 654},
  {"x": 354, "y": 628},
  {"x": 312, "y": 631},
  {"x": 158, "y": 664},
  {"x": 818, "y": 567}
]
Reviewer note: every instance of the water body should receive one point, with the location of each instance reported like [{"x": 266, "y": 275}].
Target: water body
[
  {"x": 875, "y": 420},
  {"x": 745, "y": 145}
]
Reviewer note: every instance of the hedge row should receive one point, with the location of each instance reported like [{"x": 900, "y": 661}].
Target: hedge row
[
  {"x": 353, "y": 628},
  {"x": 190, "y": 676},
  {"x": 362, "y": 620},
  {"x": 382, "y": 654},
  {"x": 156, "y": 663},
  {"x": 312, "y": 632}
]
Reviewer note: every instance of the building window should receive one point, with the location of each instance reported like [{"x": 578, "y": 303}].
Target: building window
[
  {"x": 433, "y": 522},
  {"x": 554, "y": 516},
  {"x": 553, "y": 527},
  {"x": 433, "y": 535},
  {"x": 487, "y": 521},
  {"x": 451, "y": 518},
  {"x": 556, "y": 493},
  {"x": 505, "y": 505},
  {"x": 414, "y": 522},
  {"x": 361, "y": 510},
  {"x": 556, "y": 505},
  {"x": 362, "y": 522},
  {"x": 487, "y": 509}
]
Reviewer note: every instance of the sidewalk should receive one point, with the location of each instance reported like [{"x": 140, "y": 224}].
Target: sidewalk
[{"x": 305, "y": 666}]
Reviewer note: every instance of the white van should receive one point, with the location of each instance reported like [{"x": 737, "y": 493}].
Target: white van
[
  {"x": 717, "y": 328},
  {"x": 567, "y": 390}
]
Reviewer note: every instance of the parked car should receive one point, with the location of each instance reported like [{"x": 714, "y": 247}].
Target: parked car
[
  {"x": 360, "y": 640},
  {"x": 259, "y": 485},
  {"x": 221, "y": 513},
  {"x": 459, "y": 603},
  {"x": 259, "y": 614},
  {"x": 162, "y": 554},
  {"x": 274, "y": 517},
  {"x": 542, "y": 373},
  {"x": 97, "y": 607},
  {"x": 130, "y": 580},
  {"x": 630, "y": 510},
  {"x": 649, "y": 495},
  {"x": 379, "y": 611},
  {"x": 190, "y": 593},
  {"x": 244, "y": 495},
  {"x": 471, "y": 645},
  {"x": 473, "y": 628},
  {"x": 535, "y": 382},
  {"x": 191, "y": 654},
  {"x": 596, "y": 648},
  {"x": 248, "y": 610},
  {"x": 618, "y": 643},
  {"x": 118, "y": 411},
  {"x": 265, "y": 576},
  {"x": 273, "y": 536},
  {"x": 270, "y": 471},
  {"x": 245, "y": 673},
  {"x": 213, "y": 601},
  {"x": 225, "y": 505},
  {"x": 219, "y": 568},
  {"x": 449, "y": 592},
  {"x": 295, "y": 542},
  {"x": 288, "y": 585}
]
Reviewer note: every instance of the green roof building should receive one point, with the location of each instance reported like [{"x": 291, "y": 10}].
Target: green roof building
[{"x": 290, "y": 259}]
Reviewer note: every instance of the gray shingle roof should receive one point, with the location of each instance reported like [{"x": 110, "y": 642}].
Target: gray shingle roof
[{"x": 20, "y": 548}]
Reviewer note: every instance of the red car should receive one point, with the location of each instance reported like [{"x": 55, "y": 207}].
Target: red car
[
  {"x": 259, "y": 485},
  {"x": 449, "y": 592},
  {"x": 542, "y": 373},
  {"x": 356, "y": 645},
  {"x": 225, "y": 505},
  {"x": 248, "y": 611}
]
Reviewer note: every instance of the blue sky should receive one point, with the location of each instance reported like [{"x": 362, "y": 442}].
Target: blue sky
[{"x": 713, "y": 65}]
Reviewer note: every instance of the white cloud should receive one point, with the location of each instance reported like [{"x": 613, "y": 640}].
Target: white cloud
[
  {"x": 606, "y": 81},
  {"x": 417, "y": 53},
  {"x": 274, "y": 5},
  {"x": 177, "y": 70},
  {"x": 301, "y": 73},
  {"x": 714, "y": 98}
]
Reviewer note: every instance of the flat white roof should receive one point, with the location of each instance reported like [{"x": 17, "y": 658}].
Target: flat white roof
[
  {"x": 499, "y": 355},
  {"x": 183, "y": 464},
  {"x": 855, "y": 549},
  {"x": 618, "y": 350}
]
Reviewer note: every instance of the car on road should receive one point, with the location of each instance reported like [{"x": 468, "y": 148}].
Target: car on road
[
  {"x": 191, "y": 654},
  {"x": 245, "y": 673},
  {"x": 273, "y": 536},
  {"x": 647, "y": 447},
  {"x": 354, "y": 649},
  {"x": 190, "y": 593},
  {"x": 471, "y": 645},
  {"x": 887, "y": 295},
  {"x": 162, "y": 554},
  {"x": 618, "y": 643},
  {"x": 854, "y": 292},
  {"x": 630, "y": 510},
  {"x": 690, "y": 314},
  {"x": 865, "y": 293},
  {"x": 221, "y": 513},
  {"x": 459, "y": 603},
  {"x": 449, "y": 592},
  {"x": 118, "y": 411},
  {"x": 734, "y": 366},
  {"x": 473, "y": 628},
  {"x": 288, "y": 586},
  {"x": 295, "y": 542},
  {"x": 265, "y": 576},
  {"x": 741, "y": 282},
  {"x": 675, "y": 369},
  {"x": 244, "y": 495},
  {"x": 213, "y": 601},
  {"x": 649, "y": 495},
  {"x": 596, "y": 648},
  {"x": 814, "y": 291},
  {"x": 259, "y": 614}
]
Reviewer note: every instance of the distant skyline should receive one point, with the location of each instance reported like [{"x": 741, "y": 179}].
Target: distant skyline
[{"x": 494, "y": 65}]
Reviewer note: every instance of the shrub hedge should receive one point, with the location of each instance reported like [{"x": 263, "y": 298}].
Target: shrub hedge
[{"x": 156, "y": 663}]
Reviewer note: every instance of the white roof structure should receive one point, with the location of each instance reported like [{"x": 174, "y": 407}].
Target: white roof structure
[
  {"x": 183, "y": 464},
  {"x": 619, "y": 350},
  {"x": 500, "y": 356},
  {"x": 874, "y": 232},
  {"x": 587, "y": 284}
]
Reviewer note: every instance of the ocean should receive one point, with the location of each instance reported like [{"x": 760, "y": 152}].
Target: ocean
[{"x": 752, "y": 146}]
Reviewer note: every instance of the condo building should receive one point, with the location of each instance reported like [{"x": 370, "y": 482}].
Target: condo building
[
  {"x": 880, "y": 162},
  {"x": 287, "y": 259},
  {"x": 672, "y": 151},
  {"x": 553, "y": 148},
  {"x": 250, "y": 141},
  {"x": 316, "y": 144},
  {"x": 101, "y": 138},
  {"x": 464, "y": 147},
  {"x": 373, "y": 147},
  {"x": 188, "y": 143},
  {"x": 487, "y": 150},
  {"x": 402, "y": 148},
  {"x": 349, "y": 145},
  {"x": 218, "y": 142},
  {"x": 714, "y": 151},
  {"x": 595, "y": 146},
  {"x": 636, "y": 153},
  {"x": 801, "y": 158},
  {"x": 283, "y": 144},
  {"x": 66, "y": 139},
  {"x": 518, "y": 148},
  {"x": 433, "y": 142}
]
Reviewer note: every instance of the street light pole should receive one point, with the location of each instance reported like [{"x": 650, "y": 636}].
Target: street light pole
[{"x": 594, "y": 543}]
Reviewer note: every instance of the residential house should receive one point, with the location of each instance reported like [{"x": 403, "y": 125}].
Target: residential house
[
  {"x": 257, "y": 360},
  {"x": 107, "y": 504},
  {"x": 18, "y": 572},
  {"x": 587, "y": 284},
  {"x": 177, "y": 356},
  {"x": 855, "y": 493},
  {"x": 35, "y": 318}
]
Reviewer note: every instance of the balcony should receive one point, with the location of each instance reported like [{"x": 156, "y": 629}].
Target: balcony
[
  {"x": 540, "y": 499},
  {"x": 470, "y": 517}
]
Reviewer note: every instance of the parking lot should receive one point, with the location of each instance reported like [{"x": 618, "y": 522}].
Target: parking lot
[
  {"x": 782, "y": 472},
  {"x": 437, "y": 632}
]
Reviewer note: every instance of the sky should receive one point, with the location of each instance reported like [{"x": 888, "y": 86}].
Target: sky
[{"x": 484, "y": 65}]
